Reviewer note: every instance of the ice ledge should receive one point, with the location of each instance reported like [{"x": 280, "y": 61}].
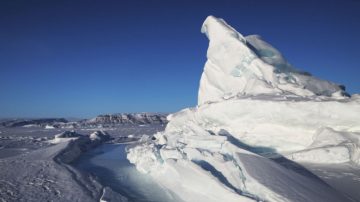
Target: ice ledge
[
  {"x": 217, "y": 29},
  {"x": 239, "y": 65}
]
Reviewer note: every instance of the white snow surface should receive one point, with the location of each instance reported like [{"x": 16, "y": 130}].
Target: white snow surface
[
  {"x": 49, "y": 127},
  {"x": 248, "y": 65},
  {"x": 252, "y": 105}
]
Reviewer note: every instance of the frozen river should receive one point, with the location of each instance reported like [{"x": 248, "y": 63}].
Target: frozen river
[{"x": 109, "y": 163}]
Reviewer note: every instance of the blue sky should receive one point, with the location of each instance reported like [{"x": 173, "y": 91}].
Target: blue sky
[{"x": 83, "y": 58}]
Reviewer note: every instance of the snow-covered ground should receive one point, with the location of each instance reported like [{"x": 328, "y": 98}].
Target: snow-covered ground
[
  {"x": 36, "y": 164},
  {"x": 258, "y": 121},
  {"x": 41, "y": 175},
  {"x": 344, "y": 177}
]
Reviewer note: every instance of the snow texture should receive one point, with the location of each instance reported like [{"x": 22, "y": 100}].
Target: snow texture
[
  {"x": 45, "y": 174},
  {"x": 36, "y": 169},
  {"x": 253, "y": 107},
  {"x": 239, "y": 65}
]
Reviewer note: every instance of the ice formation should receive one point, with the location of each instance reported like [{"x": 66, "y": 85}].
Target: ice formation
[
  {"x": 239, "y": 65},
  {"x": 253, "y": 107}
]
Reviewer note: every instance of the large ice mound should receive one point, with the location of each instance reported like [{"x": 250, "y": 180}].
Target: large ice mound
[
  {"x": 239, "y": 65},
  {"x": 253, "y": 107}
]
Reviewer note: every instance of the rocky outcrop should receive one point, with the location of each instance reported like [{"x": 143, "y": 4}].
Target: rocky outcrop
[
  {"x": 107, "y": 120},
  {"x": 127, "y": 118},
  {"x": 33, "y": 122}
]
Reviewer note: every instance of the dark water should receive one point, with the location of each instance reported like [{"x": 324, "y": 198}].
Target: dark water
[{"x": 108, "y": 162}]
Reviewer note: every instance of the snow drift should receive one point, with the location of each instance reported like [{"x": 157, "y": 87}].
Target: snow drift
[
  {"x": 253, "y": 107},
  {"x": 76, "y": 144}
]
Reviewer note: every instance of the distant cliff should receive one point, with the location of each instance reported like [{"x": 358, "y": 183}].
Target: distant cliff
[
  {"x": 128, "y": 118},
  {"x": 106, "y": 120},
  {"x": 33, "y": 122}
]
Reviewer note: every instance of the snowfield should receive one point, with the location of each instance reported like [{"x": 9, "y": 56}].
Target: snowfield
[
  {"x": 37, "y": 164},
  {"x": 258, "y": 119},
  {"x": 44, "y": 175}
]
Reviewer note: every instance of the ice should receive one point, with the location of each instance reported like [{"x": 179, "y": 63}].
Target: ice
[
  {"x": 44, "y": 175},
  {"x": 34, "y": 170},
  {"x": 109, "y": 195},
  {"x": 65, "y": 136},
  {"x": 330, "y": 146},
  {"x": 253, "y": 107},
  {"x": 251, "y": 66},
  {"x": 49, "y": 127},
  {"x": 99, "y": 136}
]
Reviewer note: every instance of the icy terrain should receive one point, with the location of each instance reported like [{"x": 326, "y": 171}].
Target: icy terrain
[
  {"x": 258, "y": 120},
  {"x": 108, "y": 162},
  {"x": 36, "y": 164},
  {"x": 44, "y": 174}
]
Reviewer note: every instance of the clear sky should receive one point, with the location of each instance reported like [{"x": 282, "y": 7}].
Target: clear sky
[{"x": 84, "y": 58}]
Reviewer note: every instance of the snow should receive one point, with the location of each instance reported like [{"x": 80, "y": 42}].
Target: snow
[
  {"x": 330, "y": 146},
  {"x": 49, "y": 127},
  {"x": 344, "y": 177},
  {"x": 253, "y": 106},
  {"x": 109, "y": 195},
  {"x": 34, "y": 170},
  {"x": 99, "y": 135},
  {"x": 65, "y": 136},
  {"x": 61, "y": 140},
  {"x": 249, "y": 65},
  {"x": 68, "y": 134},
  {"x": 42, "y": 175},
  {"x": 30, "y": 125}
]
